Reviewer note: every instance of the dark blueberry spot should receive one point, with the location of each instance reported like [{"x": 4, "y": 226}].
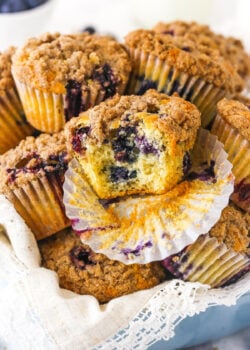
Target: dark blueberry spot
[
  {"x": 146, "y": 84},
  {"x": 237, "y": 276},
  {"x": 81, "y": 257},
  {"x": 175, "y": 87},
  {"x": 120, "y": 174},
  {"x": 145, "y": 146},
  {"x": 138, "y": 249},
  {"x": 170, "y": 76},
  {"x": 189, "y": 95},
  {"x": 169, "y": 32},
  {"x": 242, "y": 189},
  {"x": 205, "y": 173},
  {"x": 186, "y": 164},
  {"x": 186, "y": 48},
  {"x": 123, "y": 144},
  {"x": 55, "y": 163},
  {"x": 107, "y": 79},
  {"x": 74, "y": 100},
  {"x": 78, "y": 138},
  {"x": 89, "y": 29}
]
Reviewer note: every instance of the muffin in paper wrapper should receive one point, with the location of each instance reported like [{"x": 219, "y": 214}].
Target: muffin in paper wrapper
[
  {"x": 13, "y": 125},
  {"x": 48, "y": 112},
  {"x": 208, "y": 261},
  {"x": 151, "y": 72},
  {"x": 140, "y": 229},
  {"x": 39, "y": 202},
  {"x": 238, "y": 149}
]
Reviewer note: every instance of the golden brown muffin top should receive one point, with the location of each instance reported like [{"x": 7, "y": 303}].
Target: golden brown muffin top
[
  {"x": 85, "y": 272},
  {"x": 230, "y": 48},
  {"x": 33, "y": 158},
  {"x": 50, "y": 61},
  {"x": 187, "y": 56},
  {"x": 6, "y": 80},
  {"x": 236, "y": 114},
  {"x": 233, "y": 229},
  {"x": 177, "y": 117}
]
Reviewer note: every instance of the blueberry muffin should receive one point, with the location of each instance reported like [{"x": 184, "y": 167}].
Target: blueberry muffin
[
  {"x": 134, "y": 144},
  {"x": 13, "y": 125},
  {"x": 31, "y": 177},
  {"x": 218, "y": 258},
  {"x": 230, "y": 48},
  {"x": 59, "y": 76},
  {"x": 82, "y": 271},
  {"x": 177, "y": 64},
  {"x": 232, "y": 126}
]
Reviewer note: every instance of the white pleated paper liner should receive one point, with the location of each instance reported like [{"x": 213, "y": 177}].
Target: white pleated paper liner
[{"x": 141, "y": 229}]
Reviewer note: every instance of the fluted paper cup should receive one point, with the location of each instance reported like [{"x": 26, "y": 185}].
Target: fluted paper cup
[
  {"x": 40, "y": 204},
  {"x": 208, "y": 261},
  {"x": 140, "y": 229},
  {"x": 238, "y": 149},
  {"x": 13, "y": 125},
  {"x": 152, "y": 72},
  {"x": 48, "y": 112}
]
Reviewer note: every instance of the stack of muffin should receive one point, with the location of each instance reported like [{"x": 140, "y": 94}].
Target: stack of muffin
[{"x": 87, "y": 96}]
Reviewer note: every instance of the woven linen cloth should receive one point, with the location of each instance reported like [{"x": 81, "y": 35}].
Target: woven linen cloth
[{"x": 35, "y": 313}]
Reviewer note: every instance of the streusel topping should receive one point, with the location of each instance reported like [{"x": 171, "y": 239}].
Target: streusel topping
[
  {"x": 52, "y": 60},
  {"x": 236, "y": 114},
  {"x": 230, "y": 48},
  {"x": 233, "y": 229},
  {"x": 6, "y": 80},
  {"x": 178, "y": 117},
  {"x": 187, "y": 56},
  {"x": 32, "y": 158}
]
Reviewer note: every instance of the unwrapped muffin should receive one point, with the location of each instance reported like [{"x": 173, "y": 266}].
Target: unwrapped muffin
[
  {"x": 31, "y": 177},
  {"x": 232, "y": 127},
  {"x": 218, "y": 258},
  {"x": 134, "y": 144},
  {"x": 177, "y": 64},
  {"x": 84, "y": 272},
  {"x": 13, "y": 124},
  {"x": 59, "y": 76}
]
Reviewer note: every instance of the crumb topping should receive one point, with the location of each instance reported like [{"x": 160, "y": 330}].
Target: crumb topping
[
  {"x": 32, "y": 158},
  {"x": 233, "y": 229},
  {"x": 176, "y": 116},
  {"x": 81, "y": 270},
  {"x": 230, "y": 48},
  {"x": 50, "y": 61},
  {"x": 189, "y": 56},
  {"x": 6, "y": 80},
  {"x": 236, "y": 114}
]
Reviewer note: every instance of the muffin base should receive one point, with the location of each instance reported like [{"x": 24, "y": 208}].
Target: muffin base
[
  {"x": 238, "y": 149},
  {"x": 13, "y": 125},
  {"x": 40, "y": 204},
  {"x": 209, "y": 262},
  {"x": 152, "y": 72}
]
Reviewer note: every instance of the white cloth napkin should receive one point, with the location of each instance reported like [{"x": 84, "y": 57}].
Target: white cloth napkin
[{"x": 36, "y": 314}]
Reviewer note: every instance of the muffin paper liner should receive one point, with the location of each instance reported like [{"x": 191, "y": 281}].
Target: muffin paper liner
[
  {"x": 48, "y": 112},
  {"x": 40, "y": 204},
  {"x": 238, "y": 149},
  {"x": 44, "y": 111},
  {"x": 152, "y": 72},
  {"x": 208, "y": 261},
  {"x": 140, "y": 229},
  {"x": 13, "y": 126}
]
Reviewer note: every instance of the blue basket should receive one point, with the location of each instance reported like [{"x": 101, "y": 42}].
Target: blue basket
[{"x": 214, "y": 323}]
